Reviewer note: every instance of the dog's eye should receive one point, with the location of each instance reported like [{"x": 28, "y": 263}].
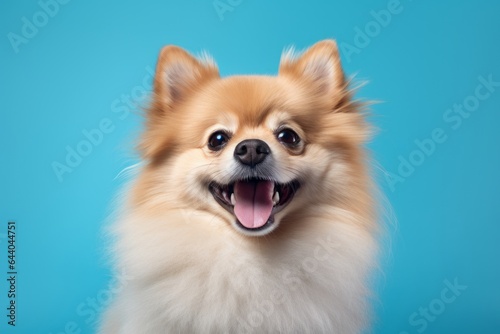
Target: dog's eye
[
  {"x": 288, "y": 137},
  {"x": 217, "y": 140}
]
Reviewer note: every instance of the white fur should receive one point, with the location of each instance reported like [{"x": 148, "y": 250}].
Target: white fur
[
  {"x": 191, "y": 272},
  {"x": 189, "y": 277}
]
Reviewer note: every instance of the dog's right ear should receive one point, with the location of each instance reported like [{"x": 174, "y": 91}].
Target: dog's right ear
[{"x": 178, "y": 74}]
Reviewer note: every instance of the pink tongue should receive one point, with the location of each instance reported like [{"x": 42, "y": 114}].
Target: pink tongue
[{"x": 254, "y": 202}]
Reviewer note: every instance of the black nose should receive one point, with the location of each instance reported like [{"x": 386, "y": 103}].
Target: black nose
[{"x": 251, "y": 152}]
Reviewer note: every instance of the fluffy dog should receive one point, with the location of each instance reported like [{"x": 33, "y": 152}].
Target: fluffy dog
[{"x": 253, "y": 211}]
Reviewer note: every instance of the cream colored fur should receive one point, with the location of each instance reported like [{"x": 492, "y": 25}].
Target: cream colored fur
[{"x": 191, "y": 269}]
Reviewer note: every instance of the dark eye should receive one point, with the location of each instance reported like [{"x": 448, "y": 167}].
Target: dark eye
[
  {"x": 288, "y": 137},
  {"x": 217, "y": 140}
]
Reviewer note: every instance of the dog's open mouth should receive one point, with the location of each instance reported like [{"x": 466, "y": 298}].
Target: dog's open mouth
[{"x": 255, "y": 201}]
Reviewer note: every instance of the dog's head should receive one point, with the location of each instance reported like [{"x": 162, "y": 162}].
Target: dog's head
[{"x": 252, "y": 149}]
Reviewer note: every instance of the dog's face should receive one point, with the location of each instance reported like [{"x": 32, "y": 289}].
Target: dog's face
[{"x": 251, "y": 149}]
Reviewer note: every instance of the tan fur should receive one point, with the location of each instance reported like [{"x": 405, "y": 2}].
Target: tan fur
[{"x": 193, "y": 271}]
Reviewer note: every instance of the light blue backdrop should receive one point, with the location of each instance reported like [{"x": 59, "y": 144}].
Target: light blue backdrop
[{"x": 71, "y": 67}]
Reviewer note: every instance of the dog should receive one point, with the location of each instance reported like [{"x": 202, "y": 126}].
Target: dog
[{"x": 254, "y": 209}]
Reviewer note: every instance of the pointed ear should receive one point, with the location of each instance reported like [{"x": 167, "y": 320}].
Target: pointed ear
[
  {"x": 319, "y": 66},
  {"x": 178, "y": 74}
]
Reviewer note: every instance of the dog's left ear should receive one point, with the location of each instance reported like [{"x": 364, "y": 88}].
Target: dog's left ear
[{"x": 319, "y": 66}]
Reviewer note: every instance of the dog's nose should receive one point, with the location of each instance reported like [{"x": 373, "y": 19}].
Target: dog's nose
[{"x": 251, "y": 152}]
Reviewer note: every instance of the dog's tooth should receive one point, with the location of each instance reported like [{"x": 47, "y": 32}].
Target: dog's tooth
[
  {"x": 276, "y": 198},
  {"x": 233, "y": 200},
  {"x": 224, "y": 194}
]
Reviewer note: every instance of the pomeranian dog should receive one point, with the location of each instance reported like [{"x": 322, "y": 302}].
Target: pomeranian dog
[{"x": 253, "y": 211}]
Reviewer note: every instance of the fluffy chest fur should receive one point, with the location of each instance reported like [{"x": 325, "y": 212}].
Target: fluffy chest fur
[{"x": 202, "y": 281}]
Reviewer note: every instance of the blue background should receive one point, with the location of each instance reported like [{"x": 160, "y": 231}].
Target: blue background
[{"x": 71, "y": 74}]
